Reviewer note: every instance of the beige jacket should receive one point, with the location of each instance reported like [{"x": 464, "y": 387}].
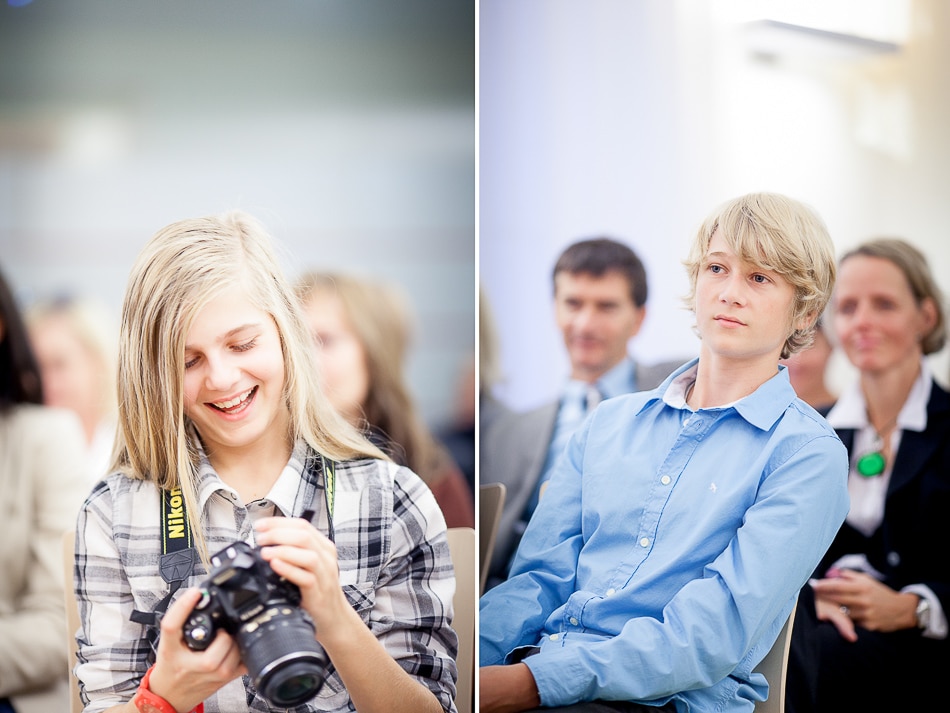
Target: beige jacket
[{"x": 43, "y": 481}]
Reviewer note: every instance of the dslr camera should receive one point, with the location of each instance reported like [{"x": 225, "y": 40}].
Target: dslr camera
[{"x": 244, "y": 596}]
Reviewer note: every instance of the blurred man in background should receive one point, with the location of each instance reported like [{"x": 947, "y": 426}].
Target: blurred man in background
[{"x": 600, "y": 294}]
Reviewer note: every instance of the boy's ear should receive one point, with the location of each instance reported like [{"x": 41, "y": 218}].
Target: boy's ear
[{"x": 807, "y": 321}]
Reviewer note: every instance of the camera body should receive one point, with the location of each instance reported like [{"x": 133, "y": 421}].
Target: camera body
[{"x": 261, "y": 611}]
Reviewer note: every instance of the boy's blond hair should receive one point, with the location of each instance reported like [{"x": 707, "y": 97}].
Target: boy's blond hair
[{"x": 780, "y": 234}]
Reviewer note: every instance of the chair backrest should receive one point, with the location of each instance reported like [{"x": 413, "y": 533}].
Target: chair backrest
[
  {"x": 774, "y": 667},
  {"x": 491, "y": 500},
  {"x": 72, "y": 619},
  {"x": 462, "y": 549}
]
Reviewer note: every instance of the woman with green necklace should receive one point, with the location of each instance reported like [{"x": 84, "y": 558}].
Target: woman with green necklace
[{"x": 871, "y": 628}]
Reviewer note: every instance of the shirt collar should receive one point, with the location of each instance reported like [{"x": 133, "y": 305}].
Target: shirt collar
[
  {"x": 282, "y": 494},
  {"x": 762, "y": 408},
  {"x": 850, "y": 410},
  {"x": 674, "y": 389},
  {"x": 619, "y": 380}
]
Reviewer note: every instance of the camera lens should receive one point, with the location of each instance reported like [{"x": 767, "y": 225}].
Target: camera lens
[
  {"x": 295, "y": 683},
  {"x": 285, "y": 662}
]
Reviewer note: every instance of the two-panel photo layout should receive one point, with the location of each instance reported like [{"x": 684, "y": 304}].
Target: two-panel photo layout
[{"x": 474, "y": 356}]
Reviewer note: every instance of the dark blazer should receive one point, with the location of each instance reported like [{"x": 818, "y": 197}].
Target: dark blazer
[
  {"x": 910, "y": 545},
  {"x": 513, "y": 449},
  {"x": 883, "y": 670}
]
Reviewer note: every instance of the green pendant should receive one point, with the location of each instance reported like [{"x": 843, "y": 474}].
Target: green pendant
[{"x": 871, "y": 464}]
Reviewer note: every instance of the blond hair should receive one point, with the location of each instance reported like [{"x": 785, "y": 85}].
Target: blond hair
[
  {"x": 776, "y": 233},
  {"x": 181, "y": 268},
  {"x": 379, "y": 315}
]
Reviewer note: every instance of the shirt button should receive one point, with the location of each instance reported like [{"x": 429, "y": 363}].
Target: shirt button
[
  {"x": 554, "y": 637},
  {"x": 644, "y": 542},
  {"x": 666, "y": 480},
  {"x": 611, "y": 592},
  {"x": 573, "y": 621}
]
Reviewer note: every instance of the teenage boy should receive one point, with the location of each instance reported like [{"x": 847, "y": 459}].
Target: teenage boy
[{"x": 680, "y": 523}]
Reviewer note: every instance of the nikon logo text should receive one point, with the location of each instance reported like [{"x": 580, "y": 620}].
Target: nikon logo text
[{"x": 176, "y": 520}]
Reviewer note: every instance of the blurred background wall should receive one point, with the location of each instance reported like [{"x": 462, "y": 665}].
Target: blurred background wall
[
  {"x": 635, "y": 118},
  {"x": 346, "y": 126}
]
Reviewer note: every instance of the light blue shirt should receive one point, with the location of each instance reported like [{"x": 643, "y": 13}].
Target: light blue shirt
[{"x": 669, "y": 548}]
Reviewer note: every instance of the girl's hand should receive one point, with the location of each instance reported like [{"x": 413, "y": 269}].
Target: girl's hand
[
  {"x": 301, "y": 554},
  {"x": 184, "y": 677}
]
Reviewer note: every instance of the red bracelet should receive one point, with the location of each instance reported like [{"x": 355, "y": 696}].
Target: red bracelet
[{"x": 147, "y": 702}]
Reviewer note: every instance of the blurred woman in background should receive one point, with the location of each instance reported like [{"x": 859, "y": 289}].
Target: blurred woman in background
[
  {"x": 43, "y": 482},
  {"x": 871, "y": 629},
  {"x": 75, "y": 347},
  {"x": 362, "y": 330}
]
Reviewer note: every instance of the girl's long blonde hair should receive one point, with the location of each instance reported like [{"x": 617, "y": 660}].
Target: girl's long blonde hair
[{"x": 179, "y": 270}]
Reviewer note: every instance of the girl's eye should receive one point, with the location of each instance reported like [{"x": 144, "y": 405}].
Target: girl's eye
[
  {"x": 190, "y": 362},
  {"x": 245, "y": 346}
]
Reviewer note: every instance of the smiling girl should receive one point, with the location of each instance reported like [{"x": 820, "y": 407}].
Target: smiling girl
[{"x": 218, "y": 396}]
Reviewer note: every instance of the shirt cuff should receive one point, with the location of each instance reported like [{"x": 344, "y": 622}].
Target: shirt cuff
[{"x": 937, "y": 627}]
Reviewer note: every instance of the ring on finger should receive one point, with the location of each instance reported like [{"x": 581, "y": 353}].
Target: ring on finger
[{"x": 845, "y": 610}]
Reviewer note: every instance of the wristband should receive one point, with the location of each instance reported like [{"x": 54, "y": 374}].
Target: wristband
[{"x": 147, "y": 702}]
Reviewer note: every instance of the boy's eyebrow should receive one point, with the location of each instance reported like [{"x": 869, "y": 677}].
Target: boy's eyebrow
[{"x": 231, "y": 332}]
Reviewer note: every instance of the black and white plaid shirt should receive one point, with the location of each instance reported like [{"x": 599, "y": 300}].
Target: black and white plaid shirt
[{"x": 394, "y": 562}]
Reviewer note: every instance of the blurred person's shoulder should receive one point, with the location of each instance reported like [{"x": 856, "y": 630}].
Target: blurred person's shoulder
[
  {"x": 59, "y": 427},
  {"x": 512, "y": 424}
]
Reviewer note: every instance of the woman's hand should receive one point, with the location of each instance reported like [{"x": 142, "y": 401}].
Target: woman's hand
[
  {"x": 851, "y": 597},
  {"x": 302, "y": 555},
  {"x": 184, "y": 677}
]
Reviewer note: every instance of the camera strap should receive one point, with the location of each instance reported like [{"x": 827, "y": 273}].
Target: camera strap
[
  {"x": 178, "y": 553},
  {"x": 329, "y": 494}
]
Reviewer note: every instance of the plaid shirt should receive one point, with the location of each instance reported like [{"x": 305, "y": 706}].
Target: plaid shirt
[{"x": 394, "y": 563}]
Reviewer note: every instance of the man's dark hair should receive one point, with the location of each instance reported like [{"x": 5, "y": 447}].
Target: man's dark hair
[
  {"x": 19, "y": 371},
  {"x": 598, "y": 256}
]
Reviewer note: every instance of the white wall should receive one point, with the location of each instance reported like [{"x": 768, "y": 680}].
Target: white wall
[
  {"x": 346, "y": 126},
  {"x": 636, "y": 118}
]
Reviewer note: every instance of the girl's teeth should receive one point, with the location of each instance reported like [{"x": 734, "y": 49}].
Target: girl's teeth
[{"x": 225, "y": 405}]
